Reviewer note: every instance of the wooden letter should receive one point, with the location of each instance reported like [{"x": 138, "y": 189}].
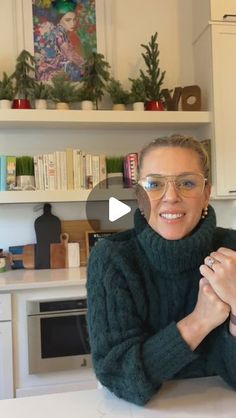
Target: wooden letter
[
  {"x": 172, "y": 102},
  {"x": 191, "y": 92}
]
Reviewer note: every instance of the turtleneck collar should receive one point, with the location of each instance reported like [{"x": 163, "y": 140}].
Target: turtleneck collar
[{"x": 173, "y": 256}]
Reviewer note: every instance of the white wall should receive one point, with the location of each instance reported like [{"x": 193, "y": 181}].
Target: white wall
[{"x": 131, "y": 23}]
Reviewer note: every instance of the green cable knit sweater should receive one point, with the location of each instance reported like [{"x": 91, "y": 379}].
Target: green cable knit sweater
[{"x": 139, "y": 286}]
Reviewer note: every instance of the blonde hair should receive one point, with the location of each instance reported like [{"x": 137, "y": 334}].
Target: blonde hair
[{"x": 179, "y": 141}]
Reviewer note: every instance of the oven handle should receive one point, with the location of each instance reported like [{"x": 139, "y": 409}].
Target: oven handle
[{"x": 59, "y": 314}]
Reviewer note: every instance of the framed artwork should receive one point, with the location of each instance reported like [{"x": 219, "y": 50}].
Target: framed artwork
[
  {"x": 61, "y": 34},
  {"x": 92, "y": 237}
]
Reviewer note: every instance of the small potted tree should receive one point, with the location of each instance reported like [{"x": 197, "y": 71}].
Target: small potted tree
[
  {"x": 24, "y": 79},
  {"x": 119, "y": 96},
  {"x": 25, "y": 173},
  {"x": 7, "y": 91},
  {"x": 96, "y": 75},
  {"x": 115, "y": 169},
  {"x": 153, "y": 77},
  {"x": 63, "y": 91},
  {"x": 137, "y": 93},
  {"x": 40, "y": 94}
]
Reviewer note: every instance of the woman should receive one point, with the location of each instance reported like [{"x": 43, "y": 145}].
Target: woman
[
  {"x": 162, "y": 296},
  {"x": 58, "y": 48}
]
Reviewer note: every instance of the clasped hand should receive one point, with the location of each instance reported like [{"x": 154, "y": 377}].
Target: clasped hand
[{"x": 222, "y": 274}]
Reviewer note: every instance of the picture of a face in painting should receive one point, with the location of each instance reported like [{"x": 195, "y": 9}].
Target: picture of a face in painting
[{"x": 64, "y": 36}]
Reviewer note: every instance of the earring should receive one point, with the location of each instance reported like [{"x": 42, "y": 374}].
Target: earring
[
  {"x": 141, "y": 211},
  {"x": 204, "y": 213}
]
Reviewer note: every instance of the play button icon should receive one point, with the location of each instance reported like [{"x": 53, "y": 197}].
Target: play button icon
[{"x": 117, "y": 209}]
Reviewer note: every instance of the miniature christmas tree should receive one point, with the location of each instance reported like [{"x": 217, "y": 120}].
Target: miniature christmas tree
[
  {"x": 153, "y": 78},
  {"x": 7, "y": 91},
  {"x": 96, "y": 75},
  {"x": 24, "y": 74}
]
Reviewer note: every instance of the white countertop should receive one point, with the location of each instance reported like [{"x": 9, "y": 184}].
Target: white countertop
[
  {"x": 37, "y": 279},
  {"x": 204, "y": 397}
]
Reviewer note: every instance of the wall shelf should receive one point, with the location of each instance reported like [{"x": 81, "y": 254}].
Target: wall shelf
[{"x": 12, "y": 118}]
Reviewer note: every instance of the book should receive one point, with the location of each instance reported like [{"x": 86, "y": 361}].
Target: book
[
  {"x": 89, "y": 171},
  {"x": 3, "y": 173},
  {"x": 102, "y": 172},
  {"x": 10, "y": 172},
  {"x": 130, "y": 169},
  {"x": 51, "y": 171},
  {"x": 76, "y": 167},
  {"x": 69, "y": 169}
]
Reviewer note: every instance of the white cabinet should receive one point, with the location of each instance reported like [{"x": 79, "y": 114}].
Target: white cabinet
[{"x": 6, "y": 363}]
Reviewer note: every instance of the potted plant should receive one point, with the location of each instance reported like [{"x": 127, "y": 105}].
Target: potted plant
[
  {"x": 63, "y": 91},
  {"x": 7, "y": 91},
  {"x": 25, "y": 172},
  {"x": 24, "y": 80},
  {"x": 115, "y": 168},
  {"x": 119, "y": 96},
  {"x": 40, "y": 93},
  {"x": 153, "y": 77},
  {"x": 96, "y": 75},
  {"x": 137, "y": 93}
]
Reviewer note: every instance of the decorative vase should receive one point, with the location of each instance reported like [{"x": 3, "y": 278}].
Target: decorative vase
[
  {"x": 41, "y": 104},
  {"x": 154, "y": 105},
  {"x": 5, "y": 104},
  {"x": 115, "y": 180},
  {"x": 25, "y": 182},
  {"x": 138, "y": 106},
  {"x": 62, "y": 106},
  {"x": 21, "y": 104},
  {"x": 87, "y": 105},
  {"x": 119, "y": 106}
]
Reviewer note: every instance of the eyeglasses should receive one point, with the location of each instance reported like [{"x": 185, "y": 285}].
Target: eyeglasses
[{"x": 186, "y": 184}]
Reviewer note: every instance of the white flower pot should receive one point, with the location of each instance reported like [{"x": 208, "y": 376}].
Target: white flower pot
[
  {"x": 115, "y": 180},
  {"x": 87, "y": 105},
  {"x": 5, "y": 104},
  {"x": 119, "y": 106},
  {"x": 25, "y": 182},
  {"x": 41, "y": 104},
  {"x": 62, "y": 106},
  {"x": 138, "y": 106}
]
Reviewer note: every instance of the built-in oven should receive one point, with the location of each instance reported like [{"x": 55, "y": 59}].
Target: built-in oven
[{"x": 57, "y": 335}]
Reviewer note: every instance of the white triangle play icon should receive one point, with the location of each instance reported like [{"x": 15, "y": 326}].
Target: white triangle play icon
[{"x": 117, "y": 209}]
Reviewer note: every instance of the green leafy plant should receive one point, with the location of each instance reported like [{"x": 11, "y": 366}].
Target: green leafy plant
[
  {"x": 153, "y": 78},
  {"x": 137, "y": 90},
  {"x": 24, "y": 74},
  {"x": 63, "y": 89},
  {"x": 96, "y": 75},
  {"x": 115, "y": 164},
  {"x": 7, "y": 90},
  {"x": 40, "y": 91},
  {"x": 117, "y": 93},
  {"x": 25, "y": 166}
]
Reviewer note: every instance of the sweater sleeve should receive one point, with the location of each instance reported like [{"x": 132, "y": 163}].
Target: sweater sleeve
[
  {"x": 222, "y": 355},
  {"x": 127, "y": 359}
]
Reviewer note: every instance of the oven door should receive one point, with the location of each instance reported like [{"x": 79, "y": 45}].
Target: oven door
[{"x": 58, "y": 341}]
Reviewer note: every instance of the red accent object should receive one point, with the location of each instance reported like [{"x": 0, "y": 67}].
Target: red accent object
[
  {"x": 154, "y": 105},
  {"x": 21, "y": 104}
]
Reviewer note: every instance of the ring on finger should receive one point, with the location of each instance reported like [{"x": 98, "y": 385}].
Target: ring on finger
[{"x": 210, "y": 261}]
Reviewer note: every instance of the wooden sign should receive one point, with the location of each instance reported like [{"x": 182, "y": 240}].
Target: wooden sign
[
  {"x": 92, "y": 238},
  {"x": 190, "y": 98}
]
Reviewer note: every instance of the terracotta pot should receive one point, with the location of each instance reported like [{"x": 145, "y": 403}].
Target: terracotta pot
[
  {"x": 5, "y": 104},
  {"x": 154, "y": 105},
  {"x": 118, "y": 106},
  {"x": 41, "y": 104},
  {"x": 21, "y": 104},
  {"x": 62, "y": 106},
  {"x": 87, "y": 105},
  {"x": 138, "y": 106}
]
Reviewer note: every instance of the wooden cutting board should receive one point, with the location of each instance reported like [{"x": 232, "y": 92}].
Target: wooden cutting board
[
  {"x": 76, "y": 230},
  {"x": 59, "y": 253},
  {"x": 27, "y": 257}
]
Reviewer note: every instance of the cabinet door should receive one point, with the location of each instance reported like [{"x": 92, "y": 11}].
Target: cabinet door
[
  {"x": 221, "y": 8},
  {"x": 6, "y": 366},
  {"x": 224, "y": 87}
]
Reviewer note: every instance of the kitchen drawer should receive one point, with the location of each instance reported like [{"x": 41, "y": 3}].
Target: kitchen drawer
[
  {"x": 5, "y": 307},
  {"x": 221, "y": 8}
]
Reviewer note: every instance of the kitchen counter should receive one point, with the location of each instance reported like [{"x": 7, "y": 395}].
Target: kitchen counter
[
  {"x": 202, "y": 397},
  {"x": 35, "y": 279}
]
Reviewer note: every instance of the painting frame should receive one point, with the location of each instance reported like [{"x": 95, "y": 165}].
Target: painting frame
[{"x": 24, "y": 27}]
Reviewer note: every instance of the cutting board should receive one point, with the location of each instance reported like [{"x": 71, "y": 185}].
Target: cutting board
[
  {"x": 59, "y": 253},
  {"x": 47, "y": 229},
  {"x": 76, "y": 230},
  {"x": 27, "y": 257}
]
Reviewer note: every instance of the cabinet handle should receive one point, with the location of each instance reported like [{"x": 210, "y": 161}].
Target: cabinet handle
[
  {"x": 233, "y": 17},
  {"x": 232, "y": 191}
]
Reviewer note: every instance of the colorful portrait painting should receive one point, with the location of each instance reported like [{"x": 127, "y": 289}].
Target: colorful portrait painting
[{"x": 64, "y": 36}]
